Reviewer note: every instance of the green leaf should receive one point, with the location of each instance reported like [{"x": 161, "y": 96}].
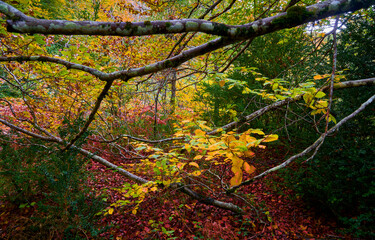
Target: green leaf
[{"x": 319, "y": 94}]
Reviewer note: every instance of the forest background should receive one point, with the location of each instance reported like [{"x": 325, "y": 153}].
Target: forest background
[{"x": 187, "y": 119}]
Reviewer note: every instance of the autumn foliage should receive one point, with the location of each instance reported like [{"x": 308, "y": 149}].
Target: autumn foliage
[{"x": 169, "y": 119}]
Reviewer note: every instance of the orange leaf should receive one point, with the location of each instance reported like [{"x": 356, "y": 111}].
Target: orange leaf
[
  {"x": 248, "y": 168},
  {"x": 221, "y": 83},
  {"x": 249, "y": 153},
  {"x": 236, "y": 179}
]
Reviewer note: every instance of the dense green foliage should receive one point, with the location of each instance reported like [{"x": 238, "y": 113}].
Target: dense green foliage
[
  {"x": 341, "y": 177},
  {"x": 54, "y": 185}
]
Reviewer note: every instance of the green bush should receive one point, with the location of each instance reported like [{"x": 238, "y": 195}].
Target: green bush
[
  {"x": 341, "y": 179},
  {"x": 52, "y": 182}
]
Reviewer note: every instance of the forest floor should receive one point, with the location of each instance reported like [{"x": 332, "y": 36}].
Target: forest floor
[{"x": 272, "y": 212}]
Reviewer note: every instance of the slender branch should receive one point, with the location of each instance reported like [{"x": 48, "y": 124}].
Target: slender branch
[
  {"x": 224, "y": 11},
  {"x": 96, "y": 158},
  {"x": 237, "y": 55},
  {"x": 307, "y": 150},
  {"x": 69, "y": 65},
  {"x": 140, "y": 139},
  {"x": 332, "y": 81},
  {"x": 92, "y": 114},
  {"x": 207, "y": 200},
  {"x": 19, "y": 129},
  {"x": 260, "y": 112}
]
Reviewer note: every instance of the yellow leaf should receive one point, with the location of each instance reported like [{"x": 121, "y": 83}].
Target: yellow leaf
[
  {"x": 236, "y": 163},
  {"x": 194, "y": 164},
  {"x": 321, "y": 104},
  {"x": 219, "y": 130},
  {"x": 275, "y": 86},
  {"x": 187, "y": 147},
  {"x": 110, "y": 211},
  {"x": 307, "y": 97},
  {"x": 246, "y": 90},
  {"x": 202, "y": 140},
  {"x": 134, "y": 211},
  {"x": 229, "y": 155},
  {"x": 230, "y": 139},
  {"x": 196, "y": 173},
  {"x": 198, "y": 157},
  {"x": 236, "y": 179},
  {"x": 271, "y": 138},
  {"x": 248, "y": 168},
  {"x": 199, "y": 132},
  {"x": 332, "y": 118},
  {"x": 257, "y": 131},
  {"x": 319, "y": 94}
]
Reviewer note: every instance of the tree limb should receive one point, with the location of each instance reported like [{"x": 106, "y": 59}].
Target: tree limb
[
  {"x": 21, "y": 23},
  {"x": 260, "y": 112},
  {"x": 69, "y": 65},
  {"x": 307, "y": 150}
]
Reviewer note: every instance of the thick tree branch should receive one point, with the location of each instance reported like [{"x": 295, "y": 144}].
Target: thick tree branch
[
  {"x": 350, "y": 84},
  {"x": 23, "y": 24},
  {"x": 232, "y": 33},
  {"x": 307, "y": 150}
]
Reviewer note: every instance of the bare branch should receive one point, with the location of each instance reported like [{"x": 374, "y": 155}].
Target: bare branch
[
  {"x": 92, "y": 114},
  {"x": 140, "y": 139},
  {"x": 69, "y": 65},
  {"x": 260, "y": 112},
  {"x": 307, "y": 150}
]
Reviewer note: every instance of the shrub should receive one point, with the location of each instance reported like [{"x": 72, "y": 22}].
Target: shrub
[{"x": 54, "y": 184}]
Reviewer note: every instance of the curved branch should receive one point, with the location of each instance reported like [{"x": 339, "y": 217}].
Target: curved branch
[
  {"x": 69, "y": 65},
  {"x": 309, "y": 149}
]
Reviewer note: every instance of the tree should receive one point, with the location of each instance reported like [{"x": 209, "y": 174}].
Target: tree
[{"x": 55, "y": 76}]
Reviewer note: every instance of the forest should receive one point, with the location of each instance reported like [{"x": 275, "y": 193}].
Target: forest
[{"x": 187, "y": 119}]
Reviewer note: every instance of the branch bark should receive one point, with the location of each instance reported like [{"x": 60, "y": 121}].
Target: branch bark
[{"x": 21, "y": 23}]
